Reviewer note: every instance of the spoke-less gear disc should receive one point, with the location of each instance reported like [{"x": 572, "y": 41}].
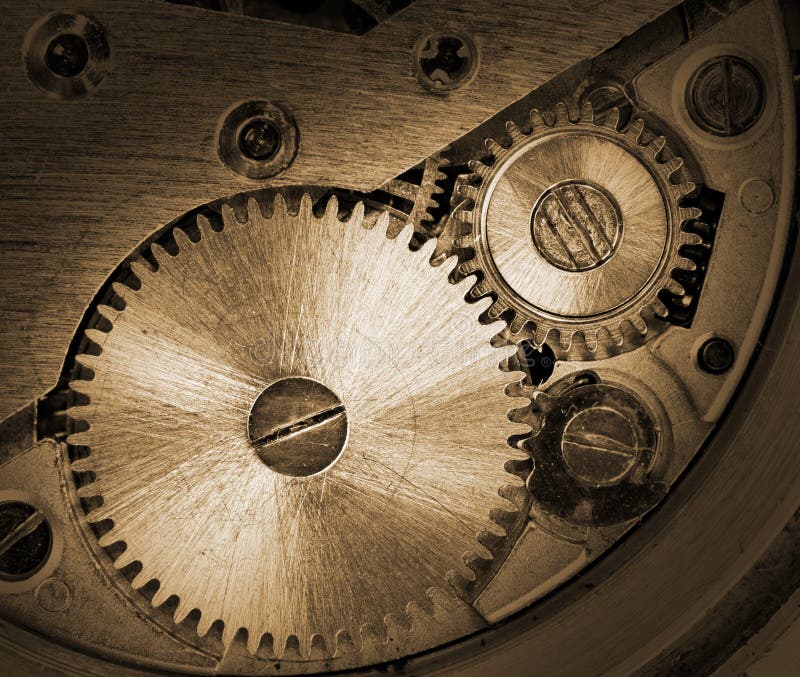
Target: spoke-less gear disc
[
  {"x": 296, "y": 426},
  {"x": 575, "y": 229}
]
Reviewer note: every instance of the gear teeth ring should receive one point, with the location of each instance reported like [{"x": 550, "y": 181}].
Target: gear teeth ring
[{"x": 593, "y": 203}]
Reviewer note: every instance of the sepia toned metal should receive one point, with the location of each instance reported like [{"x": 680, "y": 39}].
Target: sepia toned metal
[
  {"x": 350, "y": 390},
  {"x": 317, "y": 320},
  {"x": 576, "y": 228}
]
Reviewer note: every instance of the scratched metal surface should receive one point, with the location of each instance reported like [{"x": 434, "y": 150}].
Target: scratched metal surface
[{"x": 82, "y": 182}]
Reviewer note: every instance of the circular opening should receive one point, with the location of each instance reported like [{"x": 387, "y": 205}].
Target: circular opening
[
  {"x": 67, "y": 55},
  {"x": 25, "y": 540},
  {"x": 298, "y": 426},
  {"x": 259, "y": 140}
]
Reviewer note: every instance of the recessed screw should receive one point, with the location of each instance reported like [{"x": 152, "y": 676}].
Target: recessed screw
[
  {"x": 25, "y": 540},
  {"x": 716, "y": 356},
  {"x": 258, "y": 139},
  {"x": 297, "y": 426},
  {"x": 445, "y": 61},
  {"x": 67, "y": 55},
  {"x": 726, "y": 96}
]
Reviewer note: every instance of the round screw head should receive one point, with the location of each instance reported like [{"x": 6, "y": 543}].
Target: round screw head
[
  {"x": 67, "y": 55},
  {"x": 445, "y": 61},
  {"x": 298, "y": 426},
  {"x": 25, "y": 540},
  {"x": 259, "y": 139},
  {"x": 726, "y": 96},
  {"x": 716, "y": 356}
]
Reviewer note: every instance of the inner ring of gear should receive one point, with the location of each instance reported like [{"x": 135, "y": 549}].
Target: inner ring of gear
[
  {"x": 163, "y": 406},
  {"x": 545, "y": 240}
]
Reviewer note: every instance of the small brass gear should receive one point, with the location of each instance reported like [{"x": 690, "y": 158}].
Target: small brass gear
[{"x": 575, "y": 230}]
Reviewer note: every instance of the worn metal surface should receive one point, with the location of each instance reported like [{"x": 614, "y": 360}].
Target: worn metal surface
[{"x": 84, "y": 181}]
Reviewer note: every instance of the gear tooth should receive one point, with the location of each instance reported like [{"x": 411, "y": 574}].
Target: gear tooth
[
  {"x": 675, "y": 287},
  {"x": 540, "y": 335},
  {"x": 108, "y": 539},
  {"x": 466, "y": 242},
  {"x": 181, "y": 239},
  {"x": 122, "y": 290},
  {"x": 591, "y": 341},
  {"x": 479, "y": 290},
  {"x": 612, "y": 119},
  {"x": 253, "y": 211},
  {"x": 141, "y": 269},
  {"x": 107, "y": 312},
  {"x": 635, "y": 129},
  {"x": 204, "y": 225},
  {"x": 690, "y": 238},
  {"x": 537, "y": 120},
  {"x": 331, "y": 208},
  {"x": 81, "y": 439},
  {"x": 81, "y": 386},
  {"x": 467, "y": 191},
  {"x": 494, "y": 147},
  {"x": 656, "y": 146},
  {"x": 495, "y": 311},
  {"x": 462, "y": 213},
  {"x": 96, "y": 336},
  {"x": 615, "y": 335},
  {"x": 357, "y": 215},
  {"x": 587, "y": 111},
  {"x": 691, "y": 214},
  {"x": 660, "y": 311},
  {"x": 160, "y": 254},
  {"x": 162, "y": 596},
  {"x": 479, "y": 168},
  {"x": 141, "y": 579},
  {"x": 87, "y": 490},
  {"x": 638, "y": 323},
  {"x": 181, "y": 611},
  {"x": 467, "y": 268},
  {"x": 279, "y": 206},
  {"x": 228, "y": 220},
  {"x": 562, "y": 113},
  {"x": 306, "y": 206},
  {"x": 253, "y": 642},
  {"x": 684, "y": 189},
  {"x": 123, "y": 560},
  {"x": 516, "y": 324},
  {"x": 514, "y": 131},
  {"x": 204, "y": 624},
  {"x": 228, "y": 631},
  {"x": 514, "y": 389},
  {"x": 88, "y": 361},
  {"x": 673, "y": 165},
  {"x": 79, "y": 464}
]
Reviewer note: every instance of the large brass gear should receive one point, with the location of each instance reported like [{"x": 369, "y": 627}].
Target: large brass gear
[
  {"x": 173, "y": 403},
  {"x": 575, "y": 229}
]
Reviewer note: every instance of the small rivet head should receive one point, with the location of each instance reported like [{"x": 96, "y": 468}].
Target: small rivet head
[
  {"x": 716, "y": 356},
  {"x": 53, "y": 595}
]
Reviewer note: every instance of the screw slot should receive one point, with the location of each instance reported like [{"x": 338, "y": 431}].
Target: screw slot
[
  {"x": 445, "y": 61},
  {"x": 25, "y": 540},
  {"x": 726, "y": 96}
]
